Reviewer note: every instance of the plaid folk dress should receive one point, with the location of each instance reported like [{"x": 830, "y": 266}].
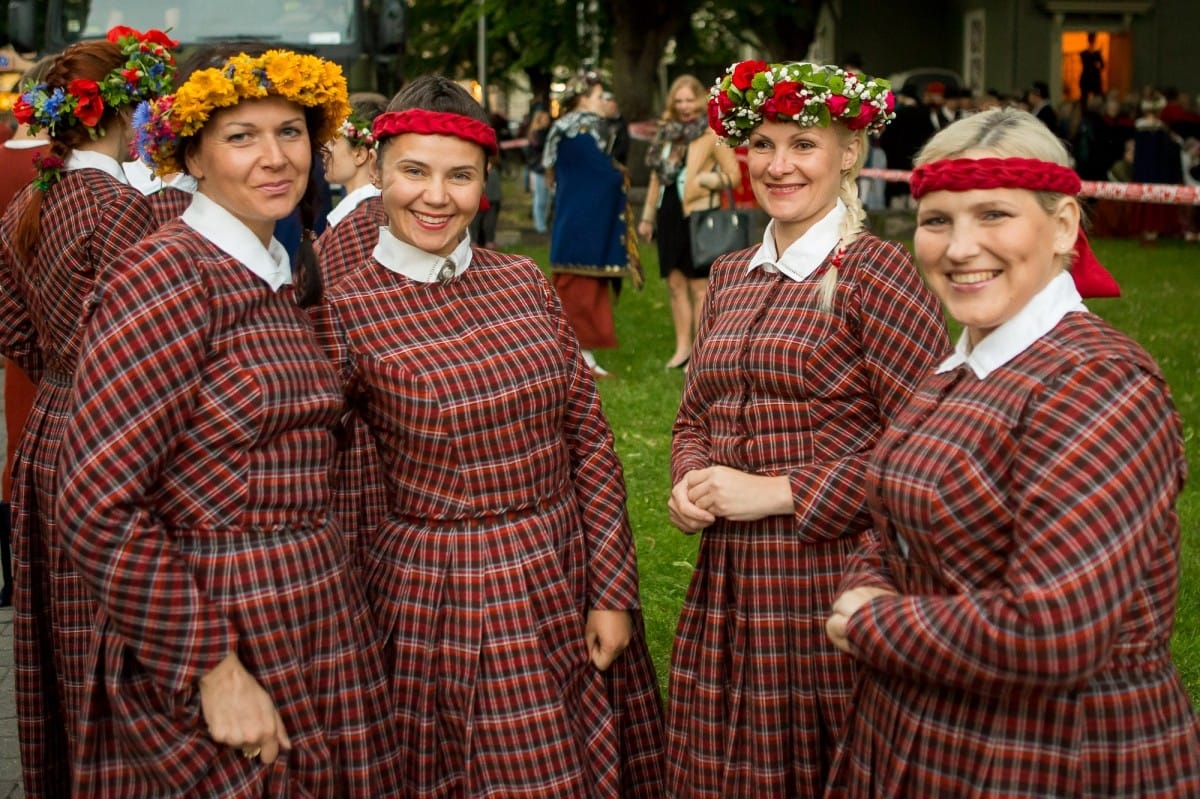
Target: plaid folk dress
[
  {"x": 358, "y": 496},
  {"x": 195, "y": 502},
  {"x": 779, "y": 386},
  {"x": 1029, "y": 652},
  {"x": 88, "y": 219},
  {"x": 505, "y": 524},
  {"x": 167, "y": 203}
]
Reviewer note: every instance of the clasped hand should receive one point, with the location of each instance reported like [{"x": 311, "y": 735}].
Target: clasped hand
[
  {"x": 846, "y": 606},
  {"x": 719, "y": 491}
]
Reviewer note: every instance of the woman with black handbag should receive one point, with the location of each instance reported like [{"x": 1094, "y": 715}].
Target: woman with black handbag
[
  {"x": 809, "y": 344},
  {"x": 688, "y": 173}
]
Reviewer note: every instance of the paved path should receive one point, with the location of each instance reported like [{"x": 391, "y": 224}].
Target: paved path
[{"x": 10, "y": 757}]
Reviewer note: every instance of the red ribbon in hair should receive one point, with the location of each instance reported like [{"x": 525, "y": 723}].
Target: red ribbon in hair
[
  {"x": 435, "y": 123},
  {"x": 965, "y": 174}
]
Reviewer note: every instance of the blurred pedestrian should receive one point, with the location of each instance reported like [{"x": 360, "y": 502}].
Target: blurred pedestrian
[
  {"x": 688, "y": 172},
  {"x": 592, "y": 244},
  {"x": 539, "y": 127}
]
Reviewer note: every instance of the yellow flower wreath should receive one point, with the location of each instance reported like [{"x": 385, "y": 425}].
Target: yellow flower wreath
[{"x": 306, "y": 80}]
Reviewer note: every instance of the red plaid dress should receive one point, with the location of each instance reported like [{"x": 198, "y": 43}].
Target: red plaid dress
[
  {"x": 168, "y": 203},
  {"x": 194, "y": 501},
  {"x": 359, "y": 501},
  {"x": 87, "y": 220},
  {"x": 347, "y": 246},
  {"x": 1029, "y": 653},
  {"x": 778, "y": 386},
  {"x": 506, "y": 523}
]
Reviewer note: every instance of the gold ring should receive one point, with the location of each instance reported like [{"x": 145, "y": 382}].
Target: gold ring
[{"x": 251, "y": 753}]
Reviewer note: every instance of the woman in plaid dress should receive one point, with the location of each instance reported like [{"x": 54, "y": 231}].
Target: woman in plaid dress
[
  {"x": 1013, "y": 609},
  {"x": 808, "y": 346},
  {"x": 503, "y": 574},
  {"x": 58, "y": 239},
  {"x": 235, "y": 654}
]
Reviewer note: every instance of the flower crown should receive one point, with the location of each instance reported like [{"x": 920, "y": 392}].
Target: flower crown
[
  {"x": 811, "y": 95},
  {"x": 579, "y": 84},
  {"x": 306, "y": 80},
  {"x": 148, "y": 71},
  {"x": 357, "y": 131}
]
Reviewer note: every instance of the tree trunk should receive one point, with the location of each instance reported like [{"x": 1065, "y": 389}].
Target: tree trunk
[{"x": 641, "y": 30}]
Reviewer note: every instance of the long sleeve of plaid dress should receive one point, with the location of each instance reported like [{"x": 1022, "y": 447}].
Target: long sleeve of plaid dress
[
  {"x": 779, "y": 386},
  {"x": 88, "y": 219},
  {"x": 195, "y": 502},
  {"x": 1028, "y": 653},
  {"x": 505, "y": 524}
]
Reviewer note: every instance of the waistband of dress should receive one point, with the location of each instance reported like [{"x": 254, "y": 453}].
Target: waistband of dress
[
  {"x": 260, "y": 531},
  {"x": 484, "y": 517}
]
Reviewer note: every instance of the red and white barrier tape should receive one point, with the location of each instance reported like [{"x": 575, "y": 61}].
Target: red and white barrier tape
[{"x": 1165, "y": 193}]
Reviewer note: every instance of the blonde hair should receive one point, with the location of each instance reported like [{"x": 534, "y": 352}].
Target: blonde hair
[
  {"x": 853, "y": 222},
  {"x": 691, "y": 82},
  {"x": 999, "y": 133}
]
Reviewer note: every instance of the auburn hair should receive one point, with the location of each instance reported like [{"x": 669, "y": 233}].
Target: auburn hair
[{"x": 91, "y": 60}]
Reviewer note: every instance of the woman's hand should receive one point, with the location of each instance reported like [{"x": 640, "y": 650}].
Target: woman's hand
[
  {"x": 740, "y": 496},
  {"x": 846, "y": 606},
  {"x": 713, "y": 181},
  {"x": 608, "y": 633},
  {"x": 683, "y": 512},
  {"x": 645, "y": 230},
  {"x": 239, "y": 713}
]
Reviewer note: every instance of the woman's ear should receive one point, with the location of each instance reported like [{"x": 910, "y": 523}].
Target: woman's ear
[
  {"x": 1066, "y": 216},
  {"x": 191, "y": 161},
  {"x": 851, "y": 152}
]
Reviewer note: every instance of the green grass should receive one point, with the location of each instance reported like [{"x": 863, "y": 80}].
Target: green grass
[{"x": 1159, "y": 309}]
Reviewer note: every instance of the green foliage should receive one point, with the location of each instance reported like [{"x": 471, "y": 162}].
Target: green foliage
[{"x": 1162, "y": 291}]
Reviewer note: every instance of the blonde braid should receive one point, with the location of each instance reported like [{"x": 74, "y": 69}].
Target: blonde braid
[{"x": 852, "y": 224}]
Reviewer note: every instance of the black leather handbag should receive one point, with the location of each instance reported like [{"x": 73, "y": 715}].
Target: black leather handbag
[{"x": 716, "y": 231}]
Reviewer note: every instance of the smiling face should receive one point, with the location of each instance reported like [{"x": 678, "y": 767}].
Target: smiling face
[
  {"x": 431, "y": 188},
  {"x": 987, "y": 252},
  {"x": 253, "y": 159},
  {"x": 796, "y": 173}
]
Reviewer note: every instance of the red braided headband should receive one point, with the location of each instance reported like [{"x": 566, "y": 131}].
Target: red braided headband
[
  {"x": 965, "y": 174},
  {"x": 438, "y": 123}
]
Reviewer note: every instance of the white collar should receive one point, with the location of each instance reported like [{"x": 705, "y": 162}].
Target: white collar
[
  {"x": 231, "y": 236},
  {"x": 806, "y": 253},
  {"x": 141, "y": 177},
  {"x": 415, "y": 264},
  {"x": 1036, "y": 319},
  {"x": 25, "y": 144},
  {"x": 90, "y": 159},
  {"x": 350, "y": 202},
  {"x": 182, "y": 181}
]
